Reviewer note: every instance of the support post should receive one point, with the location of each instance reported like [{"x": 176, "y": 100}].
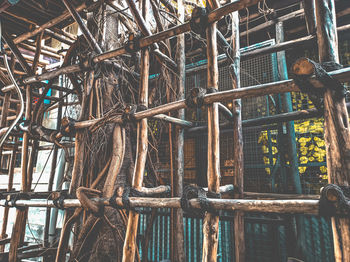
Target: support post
[
  {"x": 237, "y": 143},
  {"x": 141, "y": 151},
  {"x": 18, "y": 231},
  {"x": 9, "y": 188},
  {"x": 290, "y": 141},
  {"x": 211, "y": 221},
  {"x": 179, "y": 252},
  {"x": 336, "y": 126},
  {"x": 19, "y": 226},
  {"x": 309, "y": 9}
]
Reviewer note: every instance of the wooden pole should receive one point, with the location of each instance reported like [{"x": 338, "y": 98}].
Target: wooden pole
[
  {"x": 19, "y": 226},
  {"x": 49, "y": 24},
  {"x": 51, "y": 178},
  {"x": 309, "y": 9},
  {"x": 286, "y": 206},
  {"x": 77, "y": 171},
  {"x": 146, "y": 41},
  {"x": 88, "y": 36},
  {"x": 21, "y": 215},
  {"x": 11, "y": 168},
  {"x": 337, "y": 132},
  {"x": 342, "y": 75},
  {"x": 237, "y": 143},
  {"x": 289, "y": 143},
  {"x": 9, "y": 188},
  {"x": 211, "y": 221},
  {"x": 141, "y": 150},
  {"x": 179, "y": 252}
]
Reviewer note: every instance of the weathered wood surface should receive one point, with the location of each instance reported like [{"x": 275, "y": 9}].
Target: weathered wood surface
[
  {"x": 76, "y": 177},
  {"x": 114, "y": 53},
  {"x": 87, "y": 34},
  {"x": 272, "y": 22},
  {"x": 337, "y": 131},
  {"x": 310, "y": 16},
  {"x": 211, "y": 221},
  {"x": 252, "y": 91},
  {"x": 21, "y": 215},
  {"x": 179, "y": 249},
  {"x": 238, "y": 179},
  {"x": 130, "y": 244},
  {"x": 213, "y": 16},
  {"x": 291, "y": 206}
]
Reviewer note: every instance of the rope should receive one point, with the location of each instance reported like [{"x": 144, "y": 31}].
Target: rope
[
  {"x": 190, "y": 192},
  {"x": 335, "y": 201}
]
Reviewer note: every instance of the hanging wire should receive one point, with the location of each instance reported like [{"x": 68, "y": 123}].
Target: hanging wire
[{"x": 18, "y": 90}]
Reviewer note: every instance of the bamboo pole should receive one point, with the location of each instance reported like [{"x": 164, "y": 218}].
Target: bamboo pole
[
  {"x": 337, "y": 131},
  {"x": 211, "y": 221},
  {"x": 237, "y": 143},
  {"x": 179, "y": 252},
  {"x": 141, "y": 150}
]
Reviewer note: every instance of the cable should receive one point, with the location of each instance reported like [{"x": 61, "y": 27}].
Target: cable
[{"x": 18, "y": 90}]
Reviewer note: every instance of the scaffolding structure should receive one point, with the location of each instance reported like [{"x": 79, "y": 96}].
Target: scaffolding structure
[{"x": 86, "y": 198}]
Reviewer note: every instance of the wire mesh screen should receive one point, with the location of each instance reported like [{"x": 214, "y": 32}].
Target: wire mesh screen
[{"x": 268, "y": 237}]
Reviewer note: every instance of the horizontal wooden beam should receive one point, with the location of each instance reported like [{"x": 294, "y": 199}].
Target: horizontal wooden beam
[
  {"x": 342, "y": 75},
  {"x": 290, "y": 206}
]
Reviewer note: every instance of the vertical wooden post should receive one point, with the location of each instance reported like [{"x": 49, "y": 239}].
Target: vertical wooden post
[
  {"x": 290, "y": 143},
  {"x": 141, "y": 151},
  {"x": 9, "y": 188},
  {"x": 211, "y": 221},
  {"x": 52, "y": 176},
  {"x": 237, "y": 143},
  {"x": 309, "y": 9},
  {"x": 78, "y": 166},
  {"x": 287, "y": 107},
  {"x": 179, "y": 252},
  {"x": 21, "y": 215},
  {"x": 337, "y": 132},
  {"x": 3, "y": 123}
]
